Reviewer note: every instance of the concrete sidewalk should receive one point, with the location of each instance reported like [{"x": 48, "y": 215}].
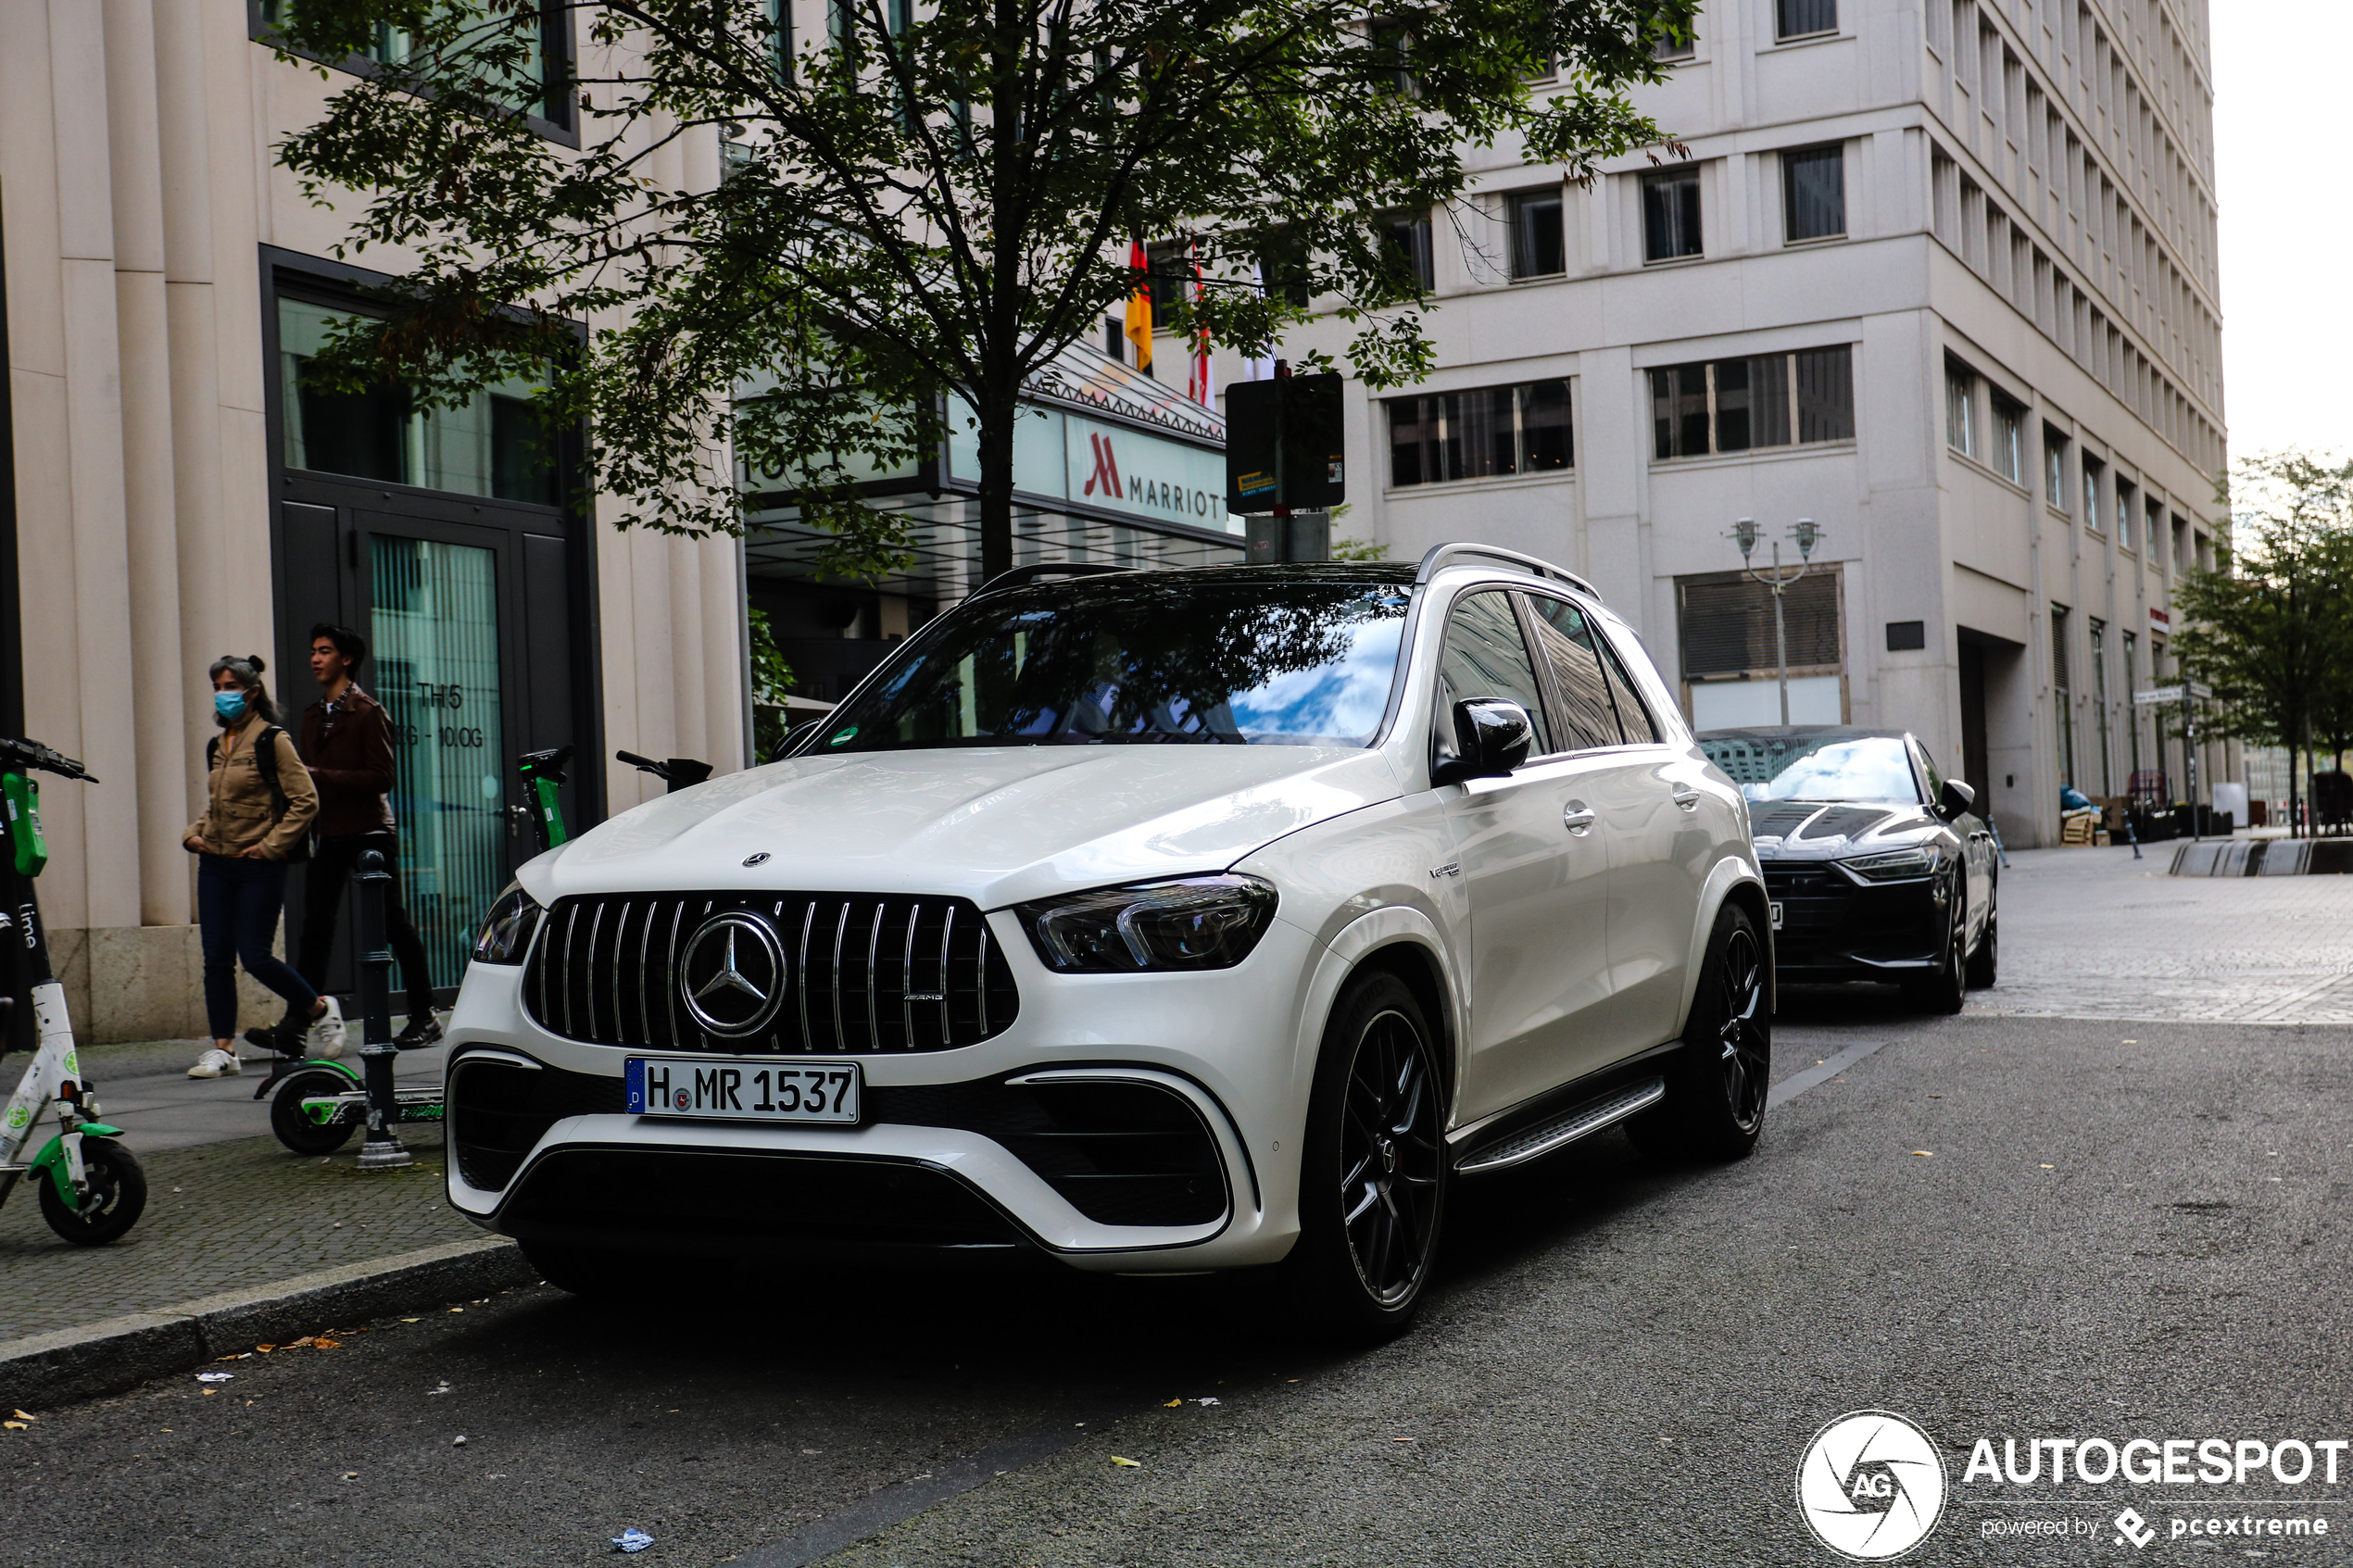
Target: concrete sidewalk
[{"x": 228, "y": 1207}]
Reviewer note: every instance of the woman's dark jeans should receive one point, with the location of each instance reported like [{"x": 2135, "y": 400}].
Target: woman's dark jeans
[{"x": 237, "y": 905}]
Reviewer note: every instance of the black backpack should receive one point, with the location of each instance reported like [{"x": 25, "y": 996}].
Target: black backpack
[{"x": 265, "y": 756}]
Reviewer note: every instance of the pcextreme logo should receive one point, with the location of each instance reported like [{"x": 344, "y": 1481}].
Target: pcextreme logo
[{"x": 1870, "y": 1485}]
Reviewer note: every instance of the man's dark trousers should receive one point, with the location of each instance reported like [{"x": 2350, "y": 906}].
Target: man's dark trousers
[{"x": 332, "y": 864}]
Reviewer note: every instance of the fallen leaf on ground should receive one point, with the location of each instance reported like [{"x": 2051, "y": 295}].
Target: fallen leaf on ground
[
  {"x": 1925, "y": 1154},
  {"x": 306, "y": 1339},
  {"x": 412, "y": 1320},
  {"x": 1400, "y": 1439},
  {"x": 327, "y": 1343},
  {"x": 1210, "y": 1401},
  {"x": 24, "y": 1415},
  {"x": 2050, "y": 1167},
  {"x": 264, "y": 1350},
  {"x": 12, "y": 1426},
  {"x": 1126, "y": 1463},
  {"x": 1172, "y": 1404},
  {"x": 351, "y": 1476}
]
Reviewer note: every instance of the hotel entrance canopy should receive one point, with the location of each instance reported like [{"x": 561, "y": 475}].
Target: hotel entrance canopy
[{"x": 1109, "y": 466}]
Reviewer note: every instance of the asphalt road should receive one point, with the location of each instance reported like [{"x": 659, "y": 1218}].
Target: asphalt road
[{"x": 2121, "y": 1230}]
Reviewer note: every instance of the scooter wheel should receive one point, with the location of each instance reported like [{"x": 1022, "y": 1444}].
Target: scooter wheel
[
  {"x": 117, "y": 1195},
  {"x": 299, "y": 1131}
]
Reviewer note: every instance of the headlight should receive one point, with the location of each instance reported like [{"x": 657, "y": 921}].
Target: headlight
[
  {"x": 506, "y": 935},
  {"x": 1200, "y": 923},
  {"x": 1896, "y": 865}
]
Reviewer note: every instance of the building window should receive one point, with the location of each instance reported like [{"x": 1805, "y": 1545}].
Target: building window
[
  {"x": 1803, "y": 18},
  {"x": 2098, "y": 634},
  {"x": 2009, "y": 440},
  {"x": 2124, "y": 497},
  {"x": 490, "y": 445},
  {"x": 1406, "y": 236},
  {"x": 2093, "y": 468},
  {"x": 1814, "y": 193},
  {"x": 2152, "y": 529},
  {"x": 1739, "y": 405},
  {"x": 1670, "y": 215},
  {"x": 2132, "y": 710},
  {"x": 1960, "y": 410},
  {"x": 530, "y": 87},
  {"x": 1539, "y": 249},
  {"x": 1484, "y": 434},
  {"x": 1667, "y": 46},
  {"x": 1169, "y": 276},
  {"x": 2061, "y": 699},
  {"x": 1393, "y": 45},
  {"x": 1730, "y": 670},
  {"x": 1283, "y": 269},
  {"x": 2053, "y": 468}
]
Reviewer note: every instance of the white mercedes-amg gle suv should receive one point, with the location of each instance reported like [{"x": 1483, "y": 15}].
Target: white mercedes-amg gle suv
[{"x": 1151, "y": 920}]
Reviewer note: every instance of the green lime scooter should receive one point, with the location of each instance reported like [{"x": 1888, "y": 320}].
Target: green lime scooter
[
  {"x": 316, "y": 1104},
  {"x": 91, "y": 1188}
]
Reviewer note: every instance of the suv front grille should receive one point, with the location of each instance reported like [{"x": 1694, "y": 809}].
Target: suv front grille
[{"x": 861, "y": 972}]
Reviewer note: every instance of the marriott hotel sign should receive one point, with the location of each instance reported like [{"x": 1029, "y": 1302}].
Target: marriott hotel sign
[{"x": 1059, "y": 455}]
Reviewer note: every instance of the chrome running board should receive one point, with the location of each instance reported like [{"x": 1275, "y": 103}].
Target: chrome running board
[{"x": 1520, "y": 1147}]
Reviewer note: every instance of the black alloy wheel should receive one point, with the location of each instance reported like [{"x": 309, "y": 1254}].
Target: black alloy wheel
[
  {"x": 1373, "y": 1174},
  {"x": 117, "y": 1194},
  {"x": 1943, "y": 987},
  {"x": 1984, "y": 964},
  {"x": 1715, "y": 1089}
]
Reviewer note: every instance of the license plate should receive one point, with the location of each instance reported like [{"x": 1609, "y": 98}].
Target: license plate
[
  {"x": 733, "y": 1089},
  {"x": 1776, "y": 917}
]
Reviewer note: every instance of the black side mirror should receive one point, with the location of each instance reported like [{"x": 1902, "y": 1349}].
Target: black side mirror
[
  {"x": 1957, "y": 798},
  {"x": 1491, "y": 737}
]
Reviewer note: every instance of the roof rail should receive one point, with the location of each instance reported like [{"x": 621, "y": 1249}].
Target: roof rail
[
  {"x": 1443, "y": 555},
  {"x": 1018, "y": 575}
]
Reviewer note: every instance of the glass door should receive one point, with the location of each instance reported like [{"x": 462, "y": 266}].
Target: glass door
[{"x": 435, "y": 627}]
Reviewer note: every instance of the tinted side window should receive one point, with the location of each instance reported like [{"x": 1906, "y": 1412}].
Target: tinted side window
[
  {"x": 1586, "y": 718},
  {"x": 1484, "y": 655},
  {"x": 1935, "y": 779},
  {"x": 1639, "y": 729}
]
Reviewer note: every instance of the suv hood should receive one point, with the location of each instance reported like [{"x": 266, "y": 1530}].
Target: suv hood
[{"x": 998, "y": 825}]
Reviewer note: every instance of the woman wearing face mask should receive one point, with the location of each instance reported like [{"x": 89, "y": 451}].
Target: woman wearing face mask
[{"x": 252, "y": 821}]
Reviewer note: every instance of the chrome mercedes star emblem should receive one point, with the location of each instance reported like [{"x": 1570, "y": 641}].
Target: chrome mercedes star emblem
[{"x": 740, "y": 993}]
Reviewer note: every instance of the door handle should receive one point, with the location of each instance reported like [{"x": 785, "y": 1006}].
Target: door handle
[
  {"x": 1688, "y": 799},
  {"x": 1577, "y": 817}
]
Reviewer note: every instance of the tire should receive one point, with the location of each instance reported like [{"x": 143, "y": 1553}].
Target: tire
[
  {"x": 1942, "y": 989},
  {"x": 1716, "y": 1086},
  {"x": 299, "y": 1131},
  {"x": 1373, "y": 1170},
  {"x": 1984, "y": 962},
  {"x": 118, "y": 1186}
]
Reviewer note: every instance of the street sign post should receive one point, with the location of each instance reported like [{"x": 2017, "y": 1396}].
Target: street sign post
[{"x": 2186, "y": 693}]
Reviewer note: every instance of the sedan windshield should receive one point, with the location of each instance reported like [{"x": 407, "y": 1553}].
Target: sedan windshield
[
  {"x": 1875, "y": 768},
  {"x": 1153, "y": 658}
]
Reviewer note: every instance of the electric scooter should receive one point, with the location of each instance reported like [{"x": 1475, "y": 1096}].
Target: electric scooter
[
  {"x": 91, "y": 1188},
  {"x": 318, "y": 1102}
]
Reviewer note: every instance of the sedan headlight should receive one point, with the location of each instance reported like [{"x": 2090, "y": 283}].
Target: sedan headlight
[
  {"x": 506, "y": 935},
  {"x": 1200, "y": 923},
  {"x": 1896, "y": 865}
]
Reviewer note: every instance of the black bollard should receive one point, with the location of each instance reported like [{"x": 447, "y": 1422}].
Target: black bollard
[{"x": 382, "y": 1151}]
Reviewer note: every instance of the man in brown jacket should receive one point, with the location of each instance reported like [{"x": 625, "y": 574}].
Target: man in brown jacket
[{"x": 346, "y": 744}]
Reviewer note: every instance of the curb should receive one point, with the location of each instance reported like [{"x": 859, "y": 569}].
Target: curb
[{"x": 120, "y": 1353}]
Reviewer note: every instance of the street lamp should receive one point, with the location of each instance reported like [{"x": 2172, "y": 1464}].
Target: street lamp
[{"x": 1805, "y": 534}]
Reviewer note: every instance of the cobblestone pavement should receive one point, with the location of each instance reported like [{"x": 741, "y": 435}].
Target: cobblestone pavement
[
  {"x": 223, "y": 1216},
  {"x": 2091, "y": 932}
]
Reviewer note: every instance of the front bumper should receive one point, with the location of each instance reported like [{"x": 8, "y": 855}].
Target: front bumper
[
  {"x": 1173, "y": 1099},
  {"x": 1833, "y": 930}
]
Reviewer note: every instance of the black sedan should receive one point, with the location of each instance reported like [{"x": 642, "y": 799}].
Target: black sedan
[{"x": 1878, "y": 867}]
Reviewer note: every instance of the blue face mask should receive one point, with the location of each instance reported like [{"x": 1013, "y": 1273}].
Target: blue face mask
[{"x": 229, "y": 705}]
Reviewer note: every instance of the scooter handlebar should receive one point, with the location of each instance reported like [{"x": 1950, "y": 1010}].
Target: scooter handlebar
[{"x": 32, "y": 754}]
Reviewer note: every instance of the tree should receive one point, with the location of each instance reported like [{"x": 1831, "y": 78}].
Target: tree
[
  {"x": 2271, "y": 630},
  {"x": 920, "y": 208}
]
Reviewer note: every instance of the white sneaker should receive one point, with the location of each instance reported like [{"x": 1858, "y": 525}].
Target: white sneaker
[
  {"x": 216, "y": 1063},
  {"x": 325, "y": 1037}
]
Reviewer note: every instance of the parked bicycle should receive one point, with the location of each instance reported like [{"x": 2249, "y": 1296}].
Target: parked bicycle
[{"x": 92, "y": 1187}]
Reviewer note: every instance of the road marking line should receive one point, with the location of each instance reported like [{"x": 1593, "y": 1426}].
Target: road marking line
[{"x": 1798, "y": 1084}]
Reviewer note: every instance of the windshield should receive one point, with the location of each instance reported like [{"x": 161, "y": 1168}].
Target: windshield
[
  {"x": 1156, "y": 657},
  {"x": 1873, "y": 768}
]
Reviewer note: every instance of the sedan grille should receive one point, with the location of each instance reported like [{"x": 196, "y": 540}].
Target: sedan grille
[{"x": 845, "y": 972}]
